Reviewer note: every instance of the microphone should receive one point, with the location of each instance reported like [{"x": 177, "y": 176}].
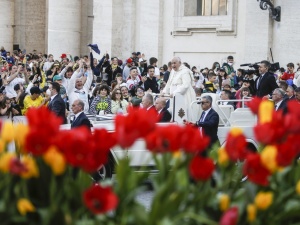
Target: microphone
[{"x": 247, "y": 64}]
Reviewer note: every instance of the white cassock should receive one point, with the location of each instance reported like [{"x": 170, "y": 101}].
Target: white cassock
[{"x": 181, "y": 81}]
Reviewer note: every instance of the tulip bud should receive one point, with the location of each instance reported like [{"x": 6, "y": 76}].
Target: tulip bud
[
  {"x": 265, "y": 111},
  {"x": 224, "y": 202},
  {"x": 251, "y": 212},
  {"x": 268, "y": 158},
  {"x": 263, "y": 200},
  {"x": 24, "y": 206}
]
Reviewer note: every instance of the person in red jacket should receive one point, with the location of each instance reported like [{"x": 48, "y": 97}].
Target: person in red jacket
[{"x": 289, "y": 75}]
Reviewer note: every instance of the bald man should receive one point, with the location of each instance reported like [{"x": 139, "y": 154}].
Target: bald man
[
  {"x": 163, "y": 113},
  {"x": 181, "y": 82}
]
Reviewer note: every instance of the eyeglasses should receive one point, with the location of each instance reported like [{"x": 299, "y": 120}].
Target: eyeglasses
[{"x": 140, "y": 91}]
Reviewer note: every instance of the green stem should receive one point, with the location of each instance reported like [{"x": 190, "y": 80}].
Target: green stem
[{"x": 194, "y": 217}]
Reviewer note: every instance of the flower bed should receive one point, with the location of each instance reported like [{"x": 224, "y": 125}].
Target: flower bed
[{"x": 40, "y": 183}]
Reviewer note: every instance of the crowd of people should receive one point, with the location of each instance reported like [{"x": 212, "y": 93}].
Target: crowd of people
[{"x": 110, "y": 86}]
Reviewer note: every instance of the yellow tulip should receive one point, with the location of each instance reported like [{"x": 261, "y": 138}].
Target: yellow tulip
[
  {"x": 265, "y": 111},
  {"x": 263, "y": 200},
  {"x": 268, "y": 158},
  {"x": 24, "y": 206},
  {"x": 5, "y": 159},
  {"x": 7, "y": 133},
  {"x": 21, "y": 130},
  {"x": 298, "y": 187},
  {"x": 55, "y": 160},
  {"x": 251, "y": 212},
  {"x": 31, "y": 166},
  {"x": 223, "y": 157},
  {"x": 235, "y": 131},
  {"x": 224, "y": 202},
  {"x": 177, "y": 154},
  {"x": 2, "y": 145}
]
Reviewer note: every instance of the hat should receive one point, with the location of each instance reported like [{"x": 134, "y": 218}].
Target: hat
[
  {"x": 63, "y": 56},
  {"x": 123, "y": 85},
  {"x": 57, "y": 77},
  {"x": 35, "y": 90},
  {"x": 95, "y": 48},
  {"x": 222, "y": 69},
  {"x": 134, "y": 53},
  {"x": 138, "y": 53},
  {"x": 129, "y": 60}
]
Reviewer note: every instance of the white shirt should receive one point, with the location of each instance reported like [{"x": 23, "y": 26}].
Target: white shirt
[
  {"x": 206, "y": 112},
  {"x": 10, "y": 92},
  {"x": 277, "y": 105},
  {"x": 82, "y": 94},
  {"x": 52, "y": 97}
]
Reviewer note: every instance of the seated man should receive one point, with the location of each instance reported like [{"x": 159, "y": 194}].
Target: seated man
[
  {"x": 147, "y": 102},
  {"x": 163, "y": 113}
]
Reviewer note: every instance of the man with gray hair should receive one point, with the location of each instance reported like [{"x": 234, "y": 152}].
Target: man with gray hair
[
  {"x": 80, "y": 118},
  {"x": 290, "y": 94},
  {"x": 209, "y": 120},
  {"x": 147, "y": 102},
  {"x": 181, "y": 82},
  {"x": 278, "y": 98}
]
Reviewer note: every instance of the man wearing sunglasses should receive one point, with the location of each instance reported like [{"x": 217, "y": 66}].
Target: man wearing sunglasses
[{"x": 208, "y": 121}]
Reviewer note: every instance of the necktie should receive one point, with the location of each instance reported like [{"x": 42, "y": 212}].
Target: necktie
[
  {"x": 74, "y": 119},
  {"x": 202, "y": 116},
  {"x": 275, "y": 107},
  {"x": 259, "y": 79}
]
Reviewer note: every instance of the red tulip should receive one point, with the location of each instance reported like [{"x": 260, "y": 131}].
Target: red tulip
[
  {"x": 254, "y": 104},
  {"x": 201, "y": 168},
  {"x": 100, "y": 199},
  {"x": 164, "y": 139},
  {"x": 288, "y": 150},
  {"x": 254, "y": 169},
  {"x": 17, "y": 167},
  {"x": 236, "y": 145},
  {"x": 44, "y": 126},
  {"x": 137, "y": 124},
  {"x": 192, "y": 140},
  {"x": 271, "y": 132},
  {"x": 230, "y": 217}
]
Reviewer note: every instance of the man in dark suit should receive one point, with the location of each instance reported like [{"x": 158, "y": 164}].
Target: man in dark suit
[
  {"x": 163, "y": 113},
  {"x": 280, "y": 102},
  {"x": 80, "y": 118},
  {"x": 57, "y": 104},
  {"x": 265, "y": 84},
  {"x": 208, "y": 121},
  {"x": 290, "y": 94}
]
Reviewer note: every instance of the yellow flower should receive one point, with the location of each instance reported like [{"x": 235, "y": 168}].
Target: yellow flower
[
  {"x": 31, "y": 166},
  {"x": 251, "y": 212},
  {"x": 224, "y": 202},
  {"x": 268, "y": 158},
  {"x": 177, "y": 154},
  {"x": 55, "y": 160},
  {"x": 21, "y": 130},
  {"x": 5, "y": 159},
  {"x": 298, "y": 187},
  {"x": 223, "y": 158},
  {"x": 24, "y": 206},
  {"x": 7, "y": 133},
  {"x": 263, "y": 200},
  {"x": 235, "y": 131},
  {"x": 2, "y": 145},
  {"x": 265, "y": 111}
]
